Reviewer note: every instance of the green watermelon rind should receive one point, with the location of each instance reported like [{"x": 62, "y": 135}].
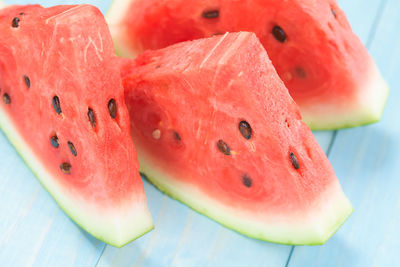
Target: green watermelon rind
[
  {"x": 166, "y": 184},
  {"x": 111, "y": 232},
  {"x": 369, "y": 109},
  {"x": 368, "y": 118}
]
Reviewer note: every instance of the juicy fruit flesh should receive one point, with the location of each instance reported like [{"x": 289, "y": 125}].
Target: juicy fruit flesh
[
  {"x": 322, "y": 62},
  {"x": 92, "y": 172},
  {"x": 186, "y": 118},
  {"x": 64, "y": 110}
]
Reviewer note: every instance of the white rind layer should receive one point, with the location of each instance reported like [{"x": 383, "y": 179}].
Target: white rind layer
[
  {"x": 2, "y": 4},
  {"x": 316, "y": 227},
  {"x": 115, "y": 16},
  {"x": 367, "y": 107},
  {"x": 115, "y": 225}
]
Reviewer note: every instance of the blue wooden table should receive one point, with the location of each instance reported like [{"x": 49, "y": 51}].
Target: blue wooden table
[{"x": 35, "y": 232}]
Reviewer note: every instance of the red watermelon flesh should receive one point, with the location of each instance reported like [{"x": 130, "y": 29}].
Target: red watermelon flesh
[
  {"x": 326, "y": 68},
  {"x": 215, "y": 128},
  {"x": 63, "y": 109}
]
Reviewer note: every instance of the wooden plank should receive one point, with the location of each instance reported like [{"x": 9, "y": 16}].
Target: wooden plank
[{"x": 366, "y": 160}]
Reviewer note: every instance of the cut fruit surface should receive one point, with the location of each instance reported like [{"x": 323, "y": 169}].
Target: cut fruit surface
[
  {"x": 326, "y": 68},
  {"x": 215, "y": 128},
  {"x": 58, "y": 76}
]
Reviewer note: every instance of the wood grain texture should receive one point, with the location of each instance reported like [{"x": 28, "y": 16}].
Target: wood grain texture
[{"x": 35, "y": 232}]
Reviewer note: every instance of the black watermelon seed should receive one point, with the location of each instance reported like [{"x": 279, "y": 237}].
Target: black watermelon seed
[
  {"x": 279, "y": 34},
  {"x": 301, "y": 73},
  {"x": 65, "y": 167},
  {"x": 56, "y": 104},
  {"x": 22, "y": 13},
  {"x": 27, "y": 81},
  {"x": 112, "y": 108},
  {"x": 218, "y": 33},
  {"x": 333, "y": 12},
  {"x": 91, "y": 117},
  {"x": 294, "y": 160},
  {"x": 72, "y": 148},
  {"x": 15, "y": 22},
  {"x": 223, "y": 147},
  {"x": 6, "y": 98},
  {"x": 245, "y": 129},
  {"x": 177, "y": 136},
  {"x": 210, "y": 14},
  {"x": 246, "y": 180},
  {"x": 54, "y": 141}
]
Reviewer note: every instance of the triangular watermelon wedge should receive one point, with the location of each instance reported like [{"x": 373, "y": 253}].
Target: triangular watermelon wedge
[
  {"x": 62, "y": 107},
  {"x": 326, "y": 68},
  {"x": 215, "y": 128}
]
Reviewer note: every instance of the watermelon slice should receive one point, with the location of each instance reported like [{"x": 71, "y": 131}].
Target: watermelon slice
[
  {"x": 63, "y": 109},
  {"x": 215, "y": 128},
  {"x": 327, "y": 70}
]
